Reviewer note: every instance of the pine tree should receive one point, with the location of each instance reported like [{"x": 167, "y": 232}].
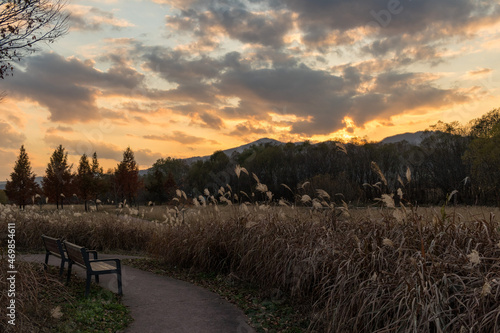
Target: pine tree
[
  {"x": 97, "y": 179},
  {"x": 57, "y": 176},
  {"x": 22, "y": 186},
  {"x": 84, "y": 179},
  {"x": 127, "y": 176}
]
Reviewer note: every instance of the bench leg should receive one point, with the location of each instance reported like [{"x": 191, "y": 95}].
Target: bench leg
[
  {"x": 69, "y": 272},
  {"x": 45, "y": 266},
  {"x": 87, "y": 284},
  {"x": 119, "y": 281},
  {"x": 61, "y": 270},
  {"x": 96, "y": 278}
]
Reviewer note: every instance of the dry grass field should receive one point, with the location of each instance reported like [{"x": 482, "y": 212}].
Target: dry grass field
[{"x": 376, "y": 269}]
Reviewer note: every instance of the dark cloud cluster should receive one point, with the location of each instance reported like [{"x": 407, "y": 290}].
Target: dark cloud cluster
[
  {"x": 276, "y": 75},
  {"x": 318, "y": 98},
  {"x": 394, "y": 25},
  {"x": 237, "y": 22},
  {"x": 68, "y": 88}
]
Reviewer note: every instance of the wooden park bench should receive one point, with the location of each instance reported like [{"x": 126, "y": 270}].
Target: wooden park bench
[
  {"x": 54, "y": 246},
  {"x": 80, "y": 256}
]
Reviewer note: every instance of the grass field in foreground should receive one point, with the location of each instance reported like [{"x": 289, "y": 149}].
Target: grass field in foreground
[{"x": 363, "y": 270}]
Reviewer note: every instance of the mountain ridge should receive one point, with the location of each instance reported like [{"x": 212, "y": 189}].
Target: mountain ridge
[{"x": 230, "y": 151}]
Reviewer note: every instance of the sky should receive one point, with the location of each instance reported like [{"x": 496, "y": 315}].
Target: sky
[{"x": 184, "y": 78}]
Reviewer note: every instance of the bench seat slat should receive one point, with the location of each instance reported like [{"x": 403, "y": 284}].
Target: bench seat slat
[{"x": 101, "y": 266}]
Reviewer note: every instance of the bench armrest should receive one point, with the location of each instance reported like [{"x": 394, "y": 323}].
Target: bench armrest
[
  {"x": 94, "y": 252},
  {"x": 117, "y": 261}
]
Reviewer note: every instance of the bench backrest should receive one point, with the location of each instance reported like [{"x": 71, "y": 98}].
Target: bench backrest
[
  {"x": 53, "y": 245},
  {"x": 77, "y": 254}
]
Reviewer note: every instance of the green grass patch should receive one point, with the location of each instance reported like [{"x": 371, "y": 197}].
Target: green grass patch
[
  {"x": 46, "y": 304},
  {"x": 102, "y": 311},
  {"x": 268, "y": 311}
]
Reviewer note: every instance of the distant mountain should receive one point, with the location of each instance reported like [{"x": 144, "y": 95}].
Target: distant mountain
[
  {"x": 239, "y": 149},
  {"x": 412, "y": 138}
]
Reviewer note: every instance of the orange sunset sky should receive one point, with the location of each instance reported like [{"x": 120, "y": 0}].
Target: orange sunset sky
[{"x": 185, "y": 78}]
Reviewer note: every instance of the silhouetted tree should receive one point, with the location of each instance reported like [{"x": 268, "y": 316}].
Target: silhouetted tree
[
  {"x": 127, "y": 176},
  {"x": 22, "y": 186},
  {"x": 84, "y": 180},
  {"x": 159, "y": 179},
  {"x": 483, "y": 127},
  {"x": 483, "y": 155},
  {"x": 98, "y": 184},
  {"x": 57, "y": 177}
]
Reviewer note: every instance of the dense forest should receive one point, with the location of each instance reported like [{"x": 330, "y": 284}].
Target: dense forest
[{"x": 452, "y": 158}]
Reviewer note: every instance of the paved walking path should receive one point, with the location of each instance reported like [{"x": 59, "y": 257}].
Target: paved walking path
[{"x": 165, "y": 305}]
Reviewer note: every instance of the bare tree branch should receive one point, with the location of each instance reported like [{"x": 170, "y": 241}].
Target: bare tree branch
[{"x": 26, "y": 23}]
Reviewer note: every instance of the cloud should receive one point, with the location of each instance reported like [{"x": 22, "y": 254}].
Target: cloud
[
  {"x": 207, "y": 120},
  {"x": 234, "y": 21},
  {"x": 180, "y": 137},
  {"x": 7, "y": 167},
  {"x": 267, "y": 81},
  {"x": 211, "y": 121},
  {"x": 392, "y": 25},
  {"x": 104, "y": 150},
  {"x": 480, "y": 72},
  {"x": 146, "y": 157},
  {"x": 175, "y": 66},
  {"x": 10, "y": 137},
  {"x": 84, "y": 146},
  {"x": 247, "y": 128},
  {"x": 321, "y": 100},
  {"x": 86, "y": 18},
  {"x": 69, "y": 87},
  {"x": 300, "y": 91},
  {"x": 64, "y": 129},
  {"x": 425, "y": 20},
  {"x": 193, "y": 76},
  {"x": 271, "y": 58}
]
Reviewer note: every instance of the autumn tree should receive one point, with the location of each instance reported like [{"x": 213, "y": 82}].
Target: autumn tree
[
  {"x": 26, "y": 23},
  {"x": 483, "y": 155},
  {"x": 22, "y": 186},
  {"x": 127, "y": 176},
  {"x": 57, "y": 176}
]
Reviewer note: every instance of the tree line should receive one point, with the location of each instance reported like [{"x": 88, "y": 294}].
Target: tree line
[
  {"x": 452, "y": 158},
  {"x": 60, "y": 185}
]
